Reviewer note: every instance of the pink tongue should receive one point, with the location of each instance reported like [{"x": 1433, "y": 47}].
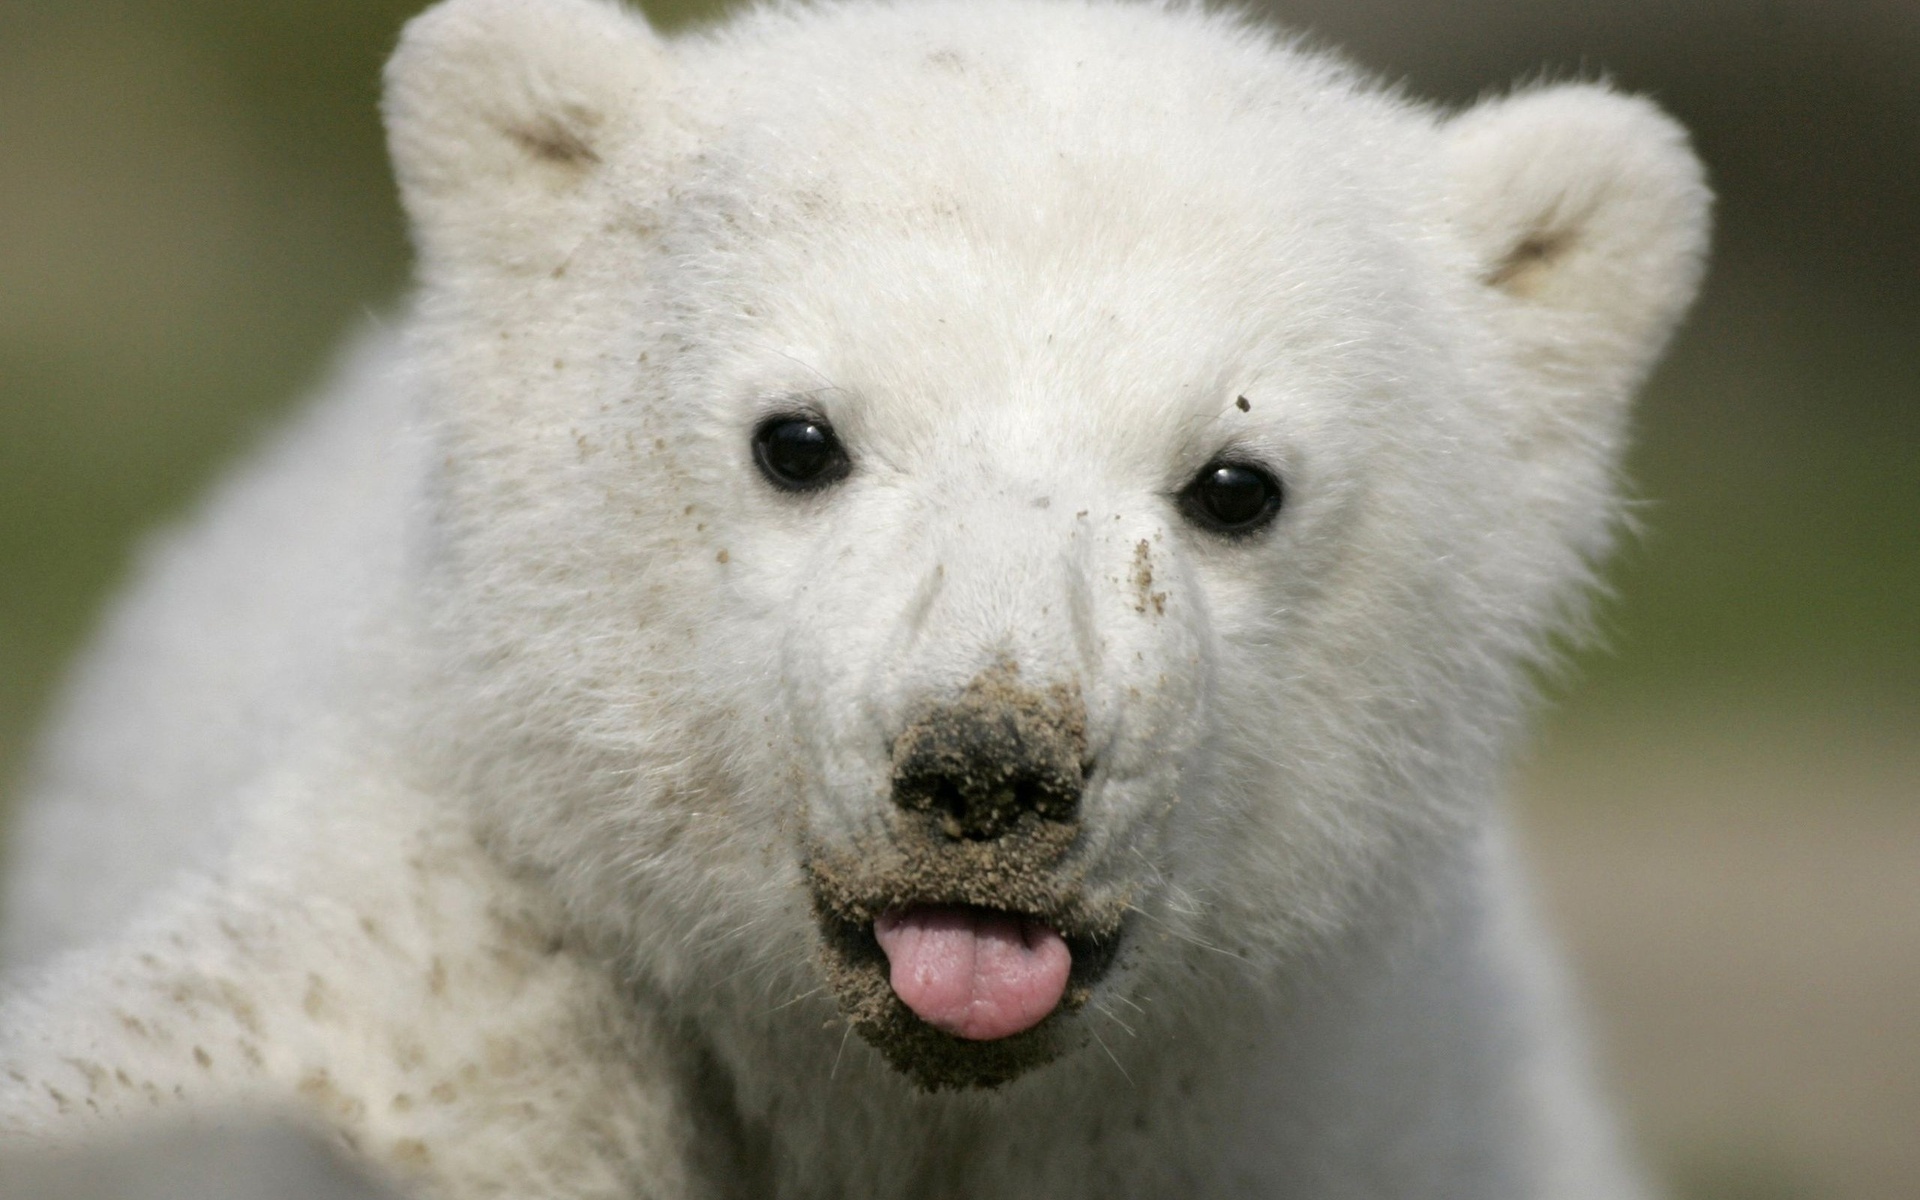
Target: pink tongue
[{"x": 978, "y": 975}]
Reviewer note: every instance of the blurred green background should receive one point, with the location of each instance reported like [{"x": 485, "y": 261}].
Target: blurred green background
[{"x": 1725, "y": 809}]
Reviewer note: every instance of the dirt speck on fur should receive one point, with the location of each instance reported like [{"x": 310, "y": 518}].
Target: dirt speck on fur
[{"x": 1144, "y": 595}]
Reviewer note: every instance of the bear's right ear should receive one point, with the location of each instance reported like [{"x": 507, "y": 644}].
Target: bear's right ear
[{"x": 502, "y": 114}]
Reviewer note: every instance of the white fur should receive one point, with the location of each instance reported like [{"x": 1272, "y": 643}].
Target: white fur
[{"x": 486, "y": 721}]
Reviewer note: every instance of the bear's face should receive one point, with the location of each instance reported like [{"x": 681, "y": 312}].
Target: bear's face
[
  {"x": 969, "y": 541},
  {"x": 1008, "y": 501}
]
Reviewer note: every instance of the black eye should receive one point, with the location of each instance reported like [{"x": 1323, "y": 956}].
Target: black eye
[
  {"x": 799, "y": 454},
  {"x": 1229, "y": 497}
]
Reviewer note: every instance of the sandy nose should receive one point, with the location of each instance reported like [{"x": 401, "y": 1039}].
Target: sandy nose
[{"x": 998, "y": 754}]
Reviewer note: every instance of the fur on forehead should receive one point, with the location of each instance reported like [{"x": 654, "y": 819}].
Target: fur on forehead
[
  {"x": 1048, "y": 202},
  {"x": 1052, "y": 118}
]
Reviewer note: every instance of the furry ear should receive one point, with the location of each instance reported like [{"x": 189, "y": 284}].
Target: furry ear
[
  {"x": 1585, "y": 214},
  {"x": 502, "y": 113}
]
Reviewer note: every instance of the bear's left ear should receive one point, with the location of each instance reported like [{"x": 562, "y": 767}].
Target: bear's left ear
[
  {"x": 1585, "y": 215},
  {"x": 502, "y": 114}
]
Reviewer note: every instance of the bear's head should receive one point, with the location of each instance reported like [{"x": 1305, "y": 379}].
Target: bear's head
[{"x": 959, "y": 510}]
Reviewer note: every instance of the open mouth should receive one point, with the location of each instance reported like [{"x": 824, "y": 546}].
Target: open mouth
[
  {"x": 957, "y": 996},
  {"x": 962, "y": 968}
]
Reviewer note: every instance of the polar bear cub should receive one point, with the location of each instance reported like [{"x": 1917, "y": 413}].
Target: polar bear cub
[{"x": 928, "y": 600}]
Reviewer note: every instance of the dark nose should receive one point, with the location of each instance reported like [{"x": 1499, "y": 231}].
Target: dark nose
[{"x": 998, "y": 755}]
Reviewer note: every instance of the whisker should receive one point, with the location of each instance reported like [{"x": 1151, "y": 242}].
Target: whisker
[
  {"x": 1150, "y": 864},
  {"x": 1183, "y": 935},
  {"x": 1108, "y": 1014},
  {"x": 797, "y": 999},
  {"x": 741, "y": 928},
  {"x": 1110, "y": 1056},
  {"x": 731, "y": 976},
  {"x": 843, "y": 1049}
]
